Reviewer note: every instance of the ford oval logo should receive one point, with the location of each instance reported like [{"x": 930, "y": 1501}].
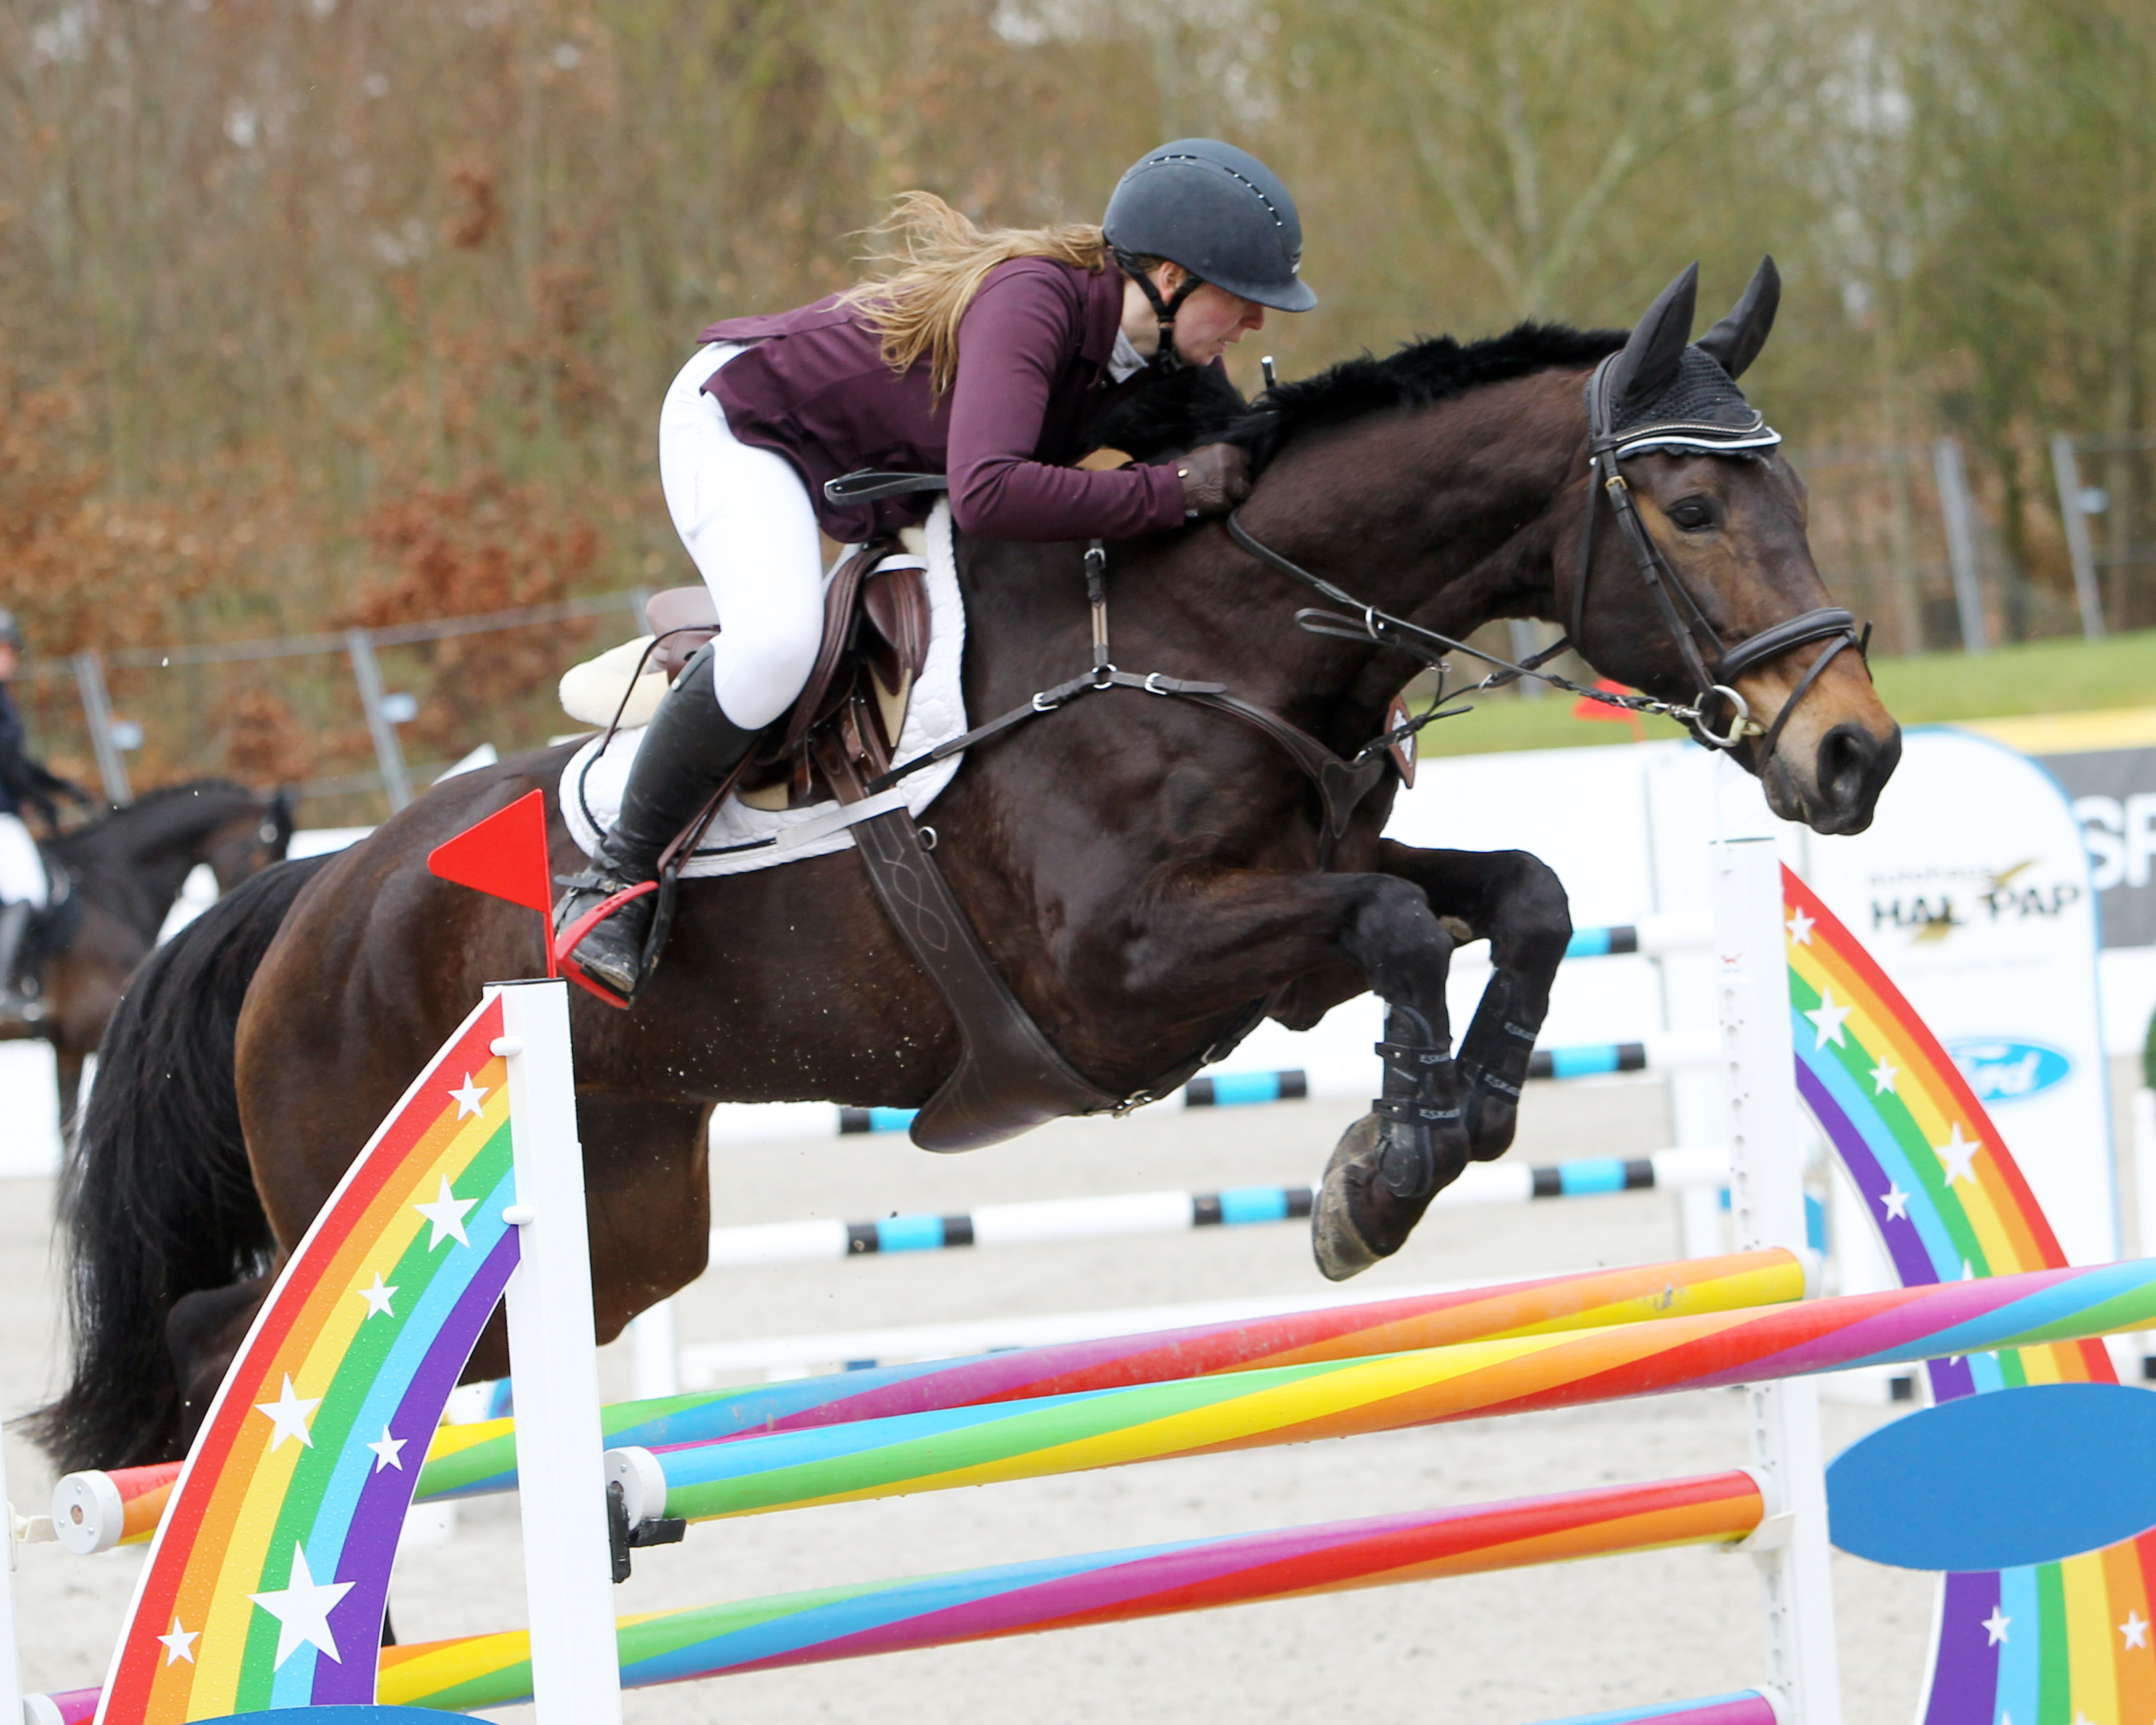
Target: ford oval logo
[{"x": 2001, "y": 1071}]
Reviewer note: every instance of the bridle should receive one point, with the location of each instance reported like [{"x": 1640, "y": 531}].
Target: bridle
[{"x": 1607, "y": 447}]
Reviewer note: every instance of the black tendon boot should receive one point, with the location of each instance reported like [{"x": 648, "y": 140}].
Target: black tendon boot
[
  {"x": 1391, "y": 1163},
  {"x": 16, "y": 1005},
  {"x": 688, "y": 752}
]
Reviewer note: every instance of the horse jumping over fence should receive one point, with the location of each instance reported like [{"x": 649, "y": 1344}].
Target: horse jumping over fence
[
  {"x": 1141, "y": 870},
  {"x": 127, "y": 870}
]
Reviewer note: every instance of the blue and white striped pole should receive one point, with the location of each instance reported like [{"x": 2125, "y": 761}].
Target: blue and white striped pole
[{"x": 1136, "y": 1213}]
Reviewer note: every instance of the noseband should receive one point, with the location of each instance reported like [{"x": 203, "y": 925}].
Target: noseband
[{"x": 1607, "y": 447}]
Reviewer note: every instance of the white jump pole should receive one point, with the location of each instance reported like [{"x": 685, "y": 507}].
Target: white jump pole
[
  {"x": 655, "y": 1337},
  {"x": 553, "y": 1358},
  {"x": 1766, "y": 1203}
]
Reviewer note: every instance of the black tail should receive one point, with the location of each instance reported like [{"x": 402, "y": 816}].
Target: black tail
[{"x": 157, "y": 1201}]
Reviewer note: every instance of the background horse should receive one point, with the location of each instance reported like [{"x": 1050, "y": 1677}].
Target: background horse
[
  {"x": 1142, "y": 869},
  {"x": 127, "y": 870}
]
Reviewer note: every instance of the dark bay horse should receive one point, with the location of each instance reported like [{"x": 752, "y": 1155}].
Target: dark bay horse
[
  {"x": 128, "y": 868},
  {"x": 1142, "y": 869}
]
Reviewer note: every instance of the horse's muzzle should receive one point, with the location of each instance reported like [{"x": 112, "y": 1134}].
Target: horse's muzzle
[{"x": 1851, "y": 767}]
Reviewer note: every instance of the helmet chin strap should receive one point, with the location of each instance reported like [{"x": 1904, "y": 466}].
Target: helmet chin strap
[{"x": 1166, "y": 360}]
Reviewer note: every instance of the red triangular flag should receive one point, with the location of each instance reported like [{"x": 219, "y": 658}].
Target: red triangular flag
[{"x": 504, "y": 854}]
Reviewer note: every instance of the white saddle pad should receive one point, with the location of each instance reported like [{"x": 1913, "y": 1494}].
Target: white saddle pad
[{"x": 591, "y": 785}]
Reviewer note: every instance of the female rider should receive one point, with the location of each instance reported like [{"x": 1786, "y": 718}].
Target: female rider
[{"x": 986, "y": 356}]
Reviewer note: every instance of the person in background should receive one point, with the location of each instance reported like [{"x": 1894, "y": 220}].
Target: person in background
[{"x": 25, "y": 890}]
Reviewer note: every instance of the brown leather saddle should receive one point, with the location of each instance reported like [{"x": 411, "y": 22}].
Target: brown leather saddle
[{"x": 875, "y": 645}]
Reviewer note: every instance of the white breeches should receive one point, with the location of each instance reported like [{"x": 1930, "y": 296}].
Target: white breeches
[
  {"x": 21, "y": 874},
  {"x": 746, "y": 518}
]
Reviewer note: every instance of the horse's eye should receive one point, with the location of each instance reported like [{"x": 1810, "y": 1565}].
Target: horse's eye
[{"x": 1692, "y": 514}]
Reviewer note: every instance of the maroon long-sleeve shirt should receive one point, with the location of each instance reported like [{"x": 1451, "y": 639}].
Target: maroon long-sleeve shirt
[{"x": 1033, "y": 377}]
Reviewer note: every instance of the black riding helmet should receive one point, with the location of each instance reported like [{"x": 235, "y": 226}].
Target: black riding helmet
[{"x": 1219, "y": 212}]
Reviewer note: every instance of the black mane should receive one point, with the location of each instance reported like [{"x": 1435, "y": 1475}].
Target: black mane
[
  {"x": 1416, "y": 375},
  {"x": 1200, "y": 406}
]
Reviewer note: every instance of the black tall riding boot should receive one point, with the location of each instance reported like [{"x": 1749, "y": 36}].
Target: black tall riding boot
[{"x": 687, "y": 754}]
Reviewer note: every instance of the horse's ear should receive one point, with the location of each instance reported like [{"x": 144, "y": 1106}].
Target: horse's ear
[
  {"x": 1648, "y": 363},
  {"x": 1735, "y": 342}
]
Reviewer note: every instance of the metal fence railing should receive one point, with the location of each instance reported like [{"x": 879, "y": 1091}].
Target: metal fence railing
[{"x": 109, "y": 730}]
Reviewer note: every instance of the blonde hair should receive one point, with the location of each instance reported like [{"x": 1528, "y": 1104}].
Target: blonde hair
[{"x": 933, "y": 264}]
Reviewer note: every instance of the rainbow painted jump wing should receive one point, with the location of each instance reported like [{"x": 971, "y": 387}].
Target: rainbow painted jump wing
[
  {"x": 267, "y": 1583},
  {"x": 2051, "y": 1642}
]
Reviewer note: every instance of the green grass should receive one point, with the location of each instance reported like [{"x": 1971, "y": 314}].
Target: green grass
[{"x": 2041, "y": 677}]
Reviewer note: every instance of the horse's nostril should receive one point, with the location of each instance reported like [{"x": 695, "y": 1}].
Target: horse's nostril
[{"x": 1846, "y": 759}]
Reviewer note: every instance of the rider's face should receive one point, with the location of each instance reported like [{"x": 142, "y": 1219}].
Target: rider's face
[{"x": 1210, "y": 320}]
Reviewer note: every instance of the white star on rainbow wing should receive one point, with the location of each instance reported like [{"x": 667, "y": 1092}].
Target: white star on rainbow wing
[
  {"x": 1800, "y": 928},
  {"x": 1995, "y": 1626},
  {"x": 1896, "y": 1202},
  {"x": 288, "y": 1415},
  {"x": 181, "y": 1643},
  {"x": 302, "y": 1609},
  {"x": 386, "y": 1452},
  {"x": 2135, "y": 1629},
  {"x": 470, "y": 1098},
  {"x": 1827, "y": 1019},
  {"x": 447, "y": 1215},
  {"x": 1883, "y": 1079},
  {"x": 378, "y": 1298},
  {"x": 1959, "y": 1155}
]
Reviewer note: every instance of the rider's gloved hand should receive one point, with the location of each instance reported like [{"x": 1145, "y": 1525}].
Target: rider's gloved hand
[{"x": 1215, "y": 478}]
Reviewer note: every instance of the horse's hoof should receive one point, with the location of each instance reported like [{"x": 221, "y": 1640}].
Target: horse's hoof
[
  {"x": 1359, "y": 1217},
  {"x": 1356, "y": 1220}
]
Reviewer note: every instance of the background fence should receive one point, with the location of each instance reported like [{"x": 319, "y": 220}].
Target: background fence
[
  {"x": 358, "y": 719},
  {"x": 334, "y": 702}
]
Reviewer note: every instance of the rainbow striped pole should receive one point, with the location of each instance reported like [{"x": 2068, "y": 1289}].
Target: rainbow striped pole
[
  {"x": 1747, "y": 1706},
  {"x": 94, "y": 1511},
  {"x": 468, "y": 1460},
  {"x": 1104, "y": 1586},
  {"x": 475, "y": 1671},
  {"x": 1029, "y": 1438}
]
